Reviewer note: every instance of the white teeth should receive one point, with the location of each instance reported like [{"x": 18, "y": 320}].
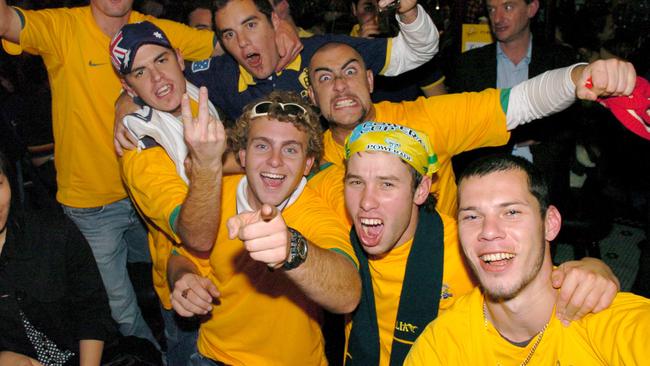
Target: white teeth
[
  {"x": 163, "y": 91},
  {"x": 496, "y": 257},
  {"x": 371, "y": 222},
  {"x": 345, "y": 103},
  {"x": 272, "y": 176}
]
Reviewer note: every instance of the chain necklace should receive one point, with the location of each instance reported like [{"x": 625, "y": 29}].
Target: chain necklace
[{"x": 532, "y": 349}]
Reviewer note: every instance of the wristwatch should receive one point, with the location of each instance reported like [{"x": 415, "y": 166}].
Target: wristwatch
[{"x": 297, "y": 250}]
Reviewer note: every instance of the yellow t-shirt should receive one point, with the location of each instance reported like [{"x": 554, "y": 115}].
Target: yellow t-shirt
[
  {"x": 453, "y": 122},
  {"x": 388, "y": 276},
  {"x": 262, "y": 318},
  {"x": 157, "y": 191},
  {"x": 329, "y": 184},
  {"x": 615, "y": 336},
  {"x": 84, "y": 90}
]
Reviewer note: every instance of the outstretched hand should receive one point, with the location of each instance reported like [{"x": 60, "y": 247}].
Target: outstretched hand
[{"x": 264, "y": 234}]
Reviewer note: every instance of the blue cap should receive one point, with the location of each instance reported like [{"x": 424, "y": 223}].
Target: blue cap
[{"x": 128, "y": 40}]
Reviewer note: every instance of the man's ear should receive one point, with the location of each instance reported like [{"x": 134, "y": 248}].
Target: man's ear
[
  {"x": 308, "y": 164},
  {"x": 179, "y": 58},
  {"x": 354, "y": 9},
  {"x": 310, "y": 92},
  {"x": 371, "y": 80},
  {"x": 422, "y": 191},
  {"x": 127, "y": 87},
  {"x": 242, "y": 157},
  {"x": 275, "y": 20},
  {"x": 552, "y": 223},
  {"x": 533, "y": 7}
]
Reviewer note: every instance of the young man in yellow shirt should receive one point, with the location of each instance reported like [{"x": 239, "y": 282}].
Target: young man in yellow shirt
[
  {"x": 505, "y": 225},
  {"x": 267, "y": 219}
]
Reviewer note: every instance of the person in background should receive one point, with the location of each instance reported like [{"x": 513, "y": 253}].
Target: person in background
[{"x": 53, "y": 306}]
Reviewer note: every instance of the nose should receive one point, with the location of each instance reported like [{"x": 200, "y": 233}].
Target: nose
[
  {"x": 491, "y": 229},
  {"x": 242, "y": 40},
  {"x": 275, "y": 158},
  {"x": 340, "y": 84},
  {"x": 155, "y": 74},
  {"x": 497, "y": 15},
  {"x": 368, "y": 199}
]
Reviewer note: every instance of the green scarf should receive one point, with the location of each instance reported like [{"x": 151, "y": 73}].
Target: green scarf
[{"x": 419, "y": 299}]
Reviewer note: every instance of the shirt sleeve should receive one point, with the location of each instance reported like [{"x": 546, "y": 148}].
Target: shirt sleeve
[
  {"x": 41, "y": 33},
  {"x": 154, "y": 185}
]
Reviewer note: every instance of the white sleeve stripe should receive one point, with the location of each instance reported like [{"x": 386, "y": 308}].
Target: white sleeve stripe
[
  {"x": 543, "y": 95},
  {"x": 415, "y": 44}
]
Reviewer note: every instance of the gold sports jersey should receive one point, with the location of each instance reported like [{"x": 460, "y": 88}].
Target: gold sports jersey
[
  {"x": 84, "y": 90},
  {"x": 262, "y": 318},
  {"x": 388, "y": 275},
  {"x": 617, "y": 335},
  {"x": 453, "y": 122}
]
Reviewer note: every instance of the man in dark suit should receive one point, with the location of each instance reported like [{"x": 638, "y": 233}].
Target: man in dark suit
[{"x": 514, "y": 57}]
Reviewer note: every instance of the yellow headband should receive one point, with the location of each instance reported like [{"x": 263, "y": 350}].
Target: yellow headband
[{"x": 409, "y": 145}]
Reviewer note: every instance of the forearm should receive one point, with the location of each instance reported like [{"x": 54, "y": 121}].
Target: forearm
[
  {"x": 416, "y": 43},
  {"x": 10, "y": 25},
  {"x": 543, "y": 95},
  {"x": 198, "y": 221},
  {"x": 90, "y": 352},
  {"x": 329, "y": 279}
]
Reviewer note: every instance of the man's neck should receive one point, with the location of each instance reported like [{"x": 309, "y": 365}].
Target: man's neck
[
  {"x": 109, "y": 25},
  {"x": 3, "y": 238},
  {"x": 339, "y": 132},
  {"x": 516, "y": 49},
  {"x": 523, "y": 317}
]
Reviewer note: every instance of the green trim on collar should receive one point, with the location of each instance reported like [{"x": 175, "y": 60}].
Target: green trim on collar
[{"x": 173, "y": 217}]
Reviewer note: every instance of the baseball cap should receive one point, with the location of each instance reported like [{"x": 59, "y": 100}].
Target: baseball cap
[
  {"x": 128, "y": 40},
  {"x": 410, "y": 145}
]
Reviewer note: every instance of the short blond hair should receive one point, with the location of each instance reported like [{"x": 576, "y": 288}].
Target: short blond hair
[{"x": 309, "y": 123}]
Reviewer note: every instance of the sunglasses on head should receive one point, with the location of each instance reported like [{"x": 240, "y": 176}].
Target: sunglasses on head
[{"x": 291, "y": 109}]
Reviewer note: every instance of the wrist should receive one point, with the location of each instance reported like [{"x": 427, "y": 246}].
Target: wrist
[
  {"x": 409, "y": 15},
  {"x": 298, "y": 249}
]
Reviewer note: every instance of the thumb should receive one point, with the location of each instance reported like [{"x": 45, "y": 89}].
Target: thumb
[
  {"x": 557, "y": 277},
  {"x": 268, "y": 212}
]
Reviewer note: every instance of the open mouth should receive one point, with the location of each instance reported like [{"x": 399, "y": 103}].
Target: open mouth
[
  {"x": 253, "y": 59},
  {"x": 496, "y": 259},
  {"x": 164, "y": 90},
  {"x": 273, "y": 180},
  {"x": 371, "y": 229},
  {"x": 345, "y": 103}
]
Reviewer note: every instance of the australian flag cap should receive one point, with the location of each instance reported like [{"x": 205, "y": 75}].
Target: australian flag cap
[{"x": 128, "y": 40}]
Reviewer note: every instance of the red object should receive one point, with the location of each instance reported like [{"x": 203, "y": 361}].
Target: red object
[
  {"x": 632, "y": 111},
  {"x": 589, "y": 84}
]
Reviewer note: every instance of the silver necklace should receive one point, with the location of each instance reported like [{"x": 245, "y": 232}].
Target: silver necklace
[{"x": 532, "y": 349}]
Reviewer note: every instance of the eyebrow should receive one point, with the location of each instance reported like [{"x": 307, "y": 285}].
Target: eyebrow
[
  {"x": 325, "y": 68},
  {"x": 501, "y": 205},
  {"x": 252, "y": 17},
  {"x": 161, "y": 54},
  {"x": 270, "y": 141}
]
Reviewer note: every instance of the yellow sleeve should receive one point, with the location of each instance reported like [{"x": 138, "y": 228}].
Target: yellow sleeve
[
  {"x": 318, "y": 223},
  {"x": 37, "y": 36},
  {"x": 154, "y": 185},
  {"x": 329, "y": 185},
  {"x": 194, "y": 44},
  {"x": 620, "y": 333},
  {"x": 456, "y": 122}
]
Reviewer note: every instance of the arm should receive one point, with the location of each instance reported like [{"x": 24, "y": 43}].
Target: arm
[
  {"x": 326, "y": 277},
  {"x": 288, "y": 43},
  {"x": 192, "y": 294},
  {"x": 90, "y": 352},
  {"x": 122, "y": 138},
  {"x": 198, "y": 221},
  {"x": 586, "y": 286},
  {"x": 557, "y": 89},
  {"x": 10, "y": 25},
  {"x": 417, "y": 41}
]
